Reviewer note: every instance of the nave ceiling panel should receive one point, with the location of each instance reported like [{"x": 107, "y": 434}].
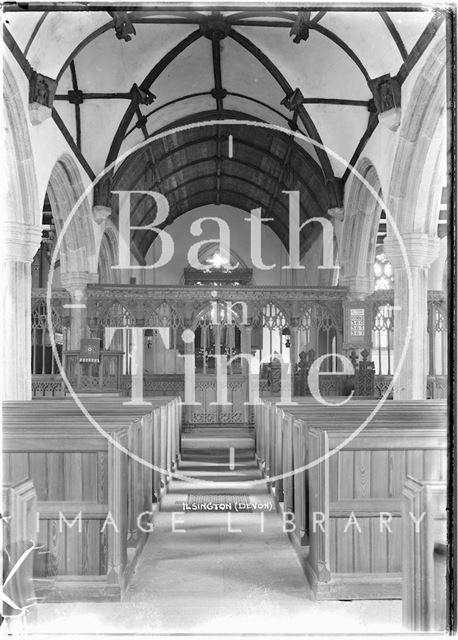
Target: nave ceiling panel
[
  {"x": 368, "y": 37},
  {"x": 261, "y": 64},
  {"x": 410, "y": 25},
  {"x": 341, "y": 129},
  {"x": 189, "y": 168}
]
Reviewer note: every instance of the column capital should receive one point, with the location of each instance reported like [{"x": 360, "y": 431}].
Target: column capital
[
  {"x": 19, "y": 241},
  {"x": 75, "y": 281},
  {"x": 359, "y": 287},
  {"x": 421, "y": 250},
  {"x": 101, "y": 213}
]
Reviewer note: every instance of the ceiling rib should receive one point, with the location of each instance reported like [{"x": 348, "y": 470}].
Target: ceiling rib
[
  {"x": 306, "y": 208},
  {"x": 281, "y": 175},
  {"x": 409, "y": 63},
  {"x": 218, "y": 90},
  {"x": 413, "y": 57},
  {"x": 313, "y": 202},
  {"x": 35, "y": 31},
  {"x": 77, "y": 105},
  {"x": 71, "y": 143},
  {"x": 145, "y": 85},
  {"x": 233, "y": 19},
  {"x": 271, "y": 178},
  {"x": 343, "y": 45},
  {"x": 371, "y": 126},
  {"x": 420, "y": 46},
  {"x": 284, "y": 84},
  {"x": 319, "y": 16},
  {"x": 239, "y": 143},
  {"x": 241, "y": 15},
  {"x": 170, "y": 103},
  {"x": 394, "y": 34}
]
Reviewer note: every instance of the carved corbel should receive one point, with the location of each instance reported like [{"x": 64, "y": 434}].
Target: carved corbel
[
  {"x": 102, "y": 199},
  {"x": 215, "y": 27},
  {"x": 41, "y": 97},
  {"x": 300, "y": 29},
  {"x": 335, "y": 198},
  {"x": 387, "y": 98},
  {"x": 122, "y": 25},
  {"x": 142, "y": 96},
  {"x": 293, "y": 101}
]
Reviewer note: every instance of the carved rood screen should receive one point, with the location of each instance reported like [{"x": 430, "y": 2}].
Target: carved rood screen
[{"x": 291, "y": 325}]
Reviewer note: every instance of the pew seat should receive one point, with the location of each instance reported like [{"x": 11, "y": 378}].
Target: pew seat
[
  {"x": 350, "y": 482},
  {"x": 95, "y": 502}
]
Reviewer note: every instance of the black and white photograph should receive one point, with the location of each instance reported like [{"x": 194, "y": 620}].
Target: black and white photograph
[{"x": 228, "y": 319}]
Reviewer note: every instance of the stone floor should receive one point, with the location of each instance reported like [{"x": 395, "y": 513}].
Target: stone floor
[{"x": 220, "y": 573}]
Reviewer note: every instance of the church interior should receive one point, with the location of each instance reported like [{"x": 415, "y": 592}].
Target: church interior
[{"x": 226, "y": 264}]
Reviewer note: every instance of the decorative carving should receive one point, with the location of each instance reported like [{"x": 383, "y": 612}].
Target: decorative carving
[
  {"x": 215, "y": 27},
  {"x": 219, "y": 94},
  {"x": 335, "y": 189},
  {"x": 123, "y": 25},
  {"x": 364, "y": 374},
  {"x": 382, "y": 382},
  {"x": 306, "y": 359},
  {"x": 42, "y": 89},
  {"x": 75, "y": 96},
  {"x": 141, "y": 122},
  {"x": 41, "y": 96},
  {"x": 102, "y": 192},
  {"x": 300, "y": 28},
  {"x": 142, "y": 96},
  {"x": 258, "y": 295},
  {"x": 387, "y": 97},
  {"x": 217, "y": 277},
  {"x": 293, "y": 101},
  {"x": 47, "y": 386}
]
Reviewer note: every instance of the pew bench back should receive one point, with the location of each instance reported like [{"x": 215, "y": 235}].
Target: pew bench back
[{"x": 79, "y": 473}]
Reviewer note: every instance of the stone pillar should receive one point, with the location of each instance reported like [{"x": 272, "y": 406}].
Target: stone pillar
[
  {"x": 421, "y": 251},
  {"x": 76, "y": 284},
  {"x": 18, "y": 245}
]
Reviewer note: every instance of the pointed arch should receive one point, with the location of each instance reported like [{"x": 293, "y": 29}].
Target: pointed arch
[
  {"x": 108, "y": 255},
  {"x": 78, "y": 249},
  {"x": 22, "y": 187},
  {"x": 359, "y": 231},
  {"x": 414, "y": 194}
]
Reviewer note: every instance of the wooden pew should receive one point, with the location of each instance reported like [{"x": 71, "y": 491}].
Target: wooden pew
[
  {"x": 19, "y": 506},
  {"x": 363, "y": 482},
  {"x": 365, "y": 478},
  {"x": 424, "y": 555},
  {"x": 79, "y": 474}
]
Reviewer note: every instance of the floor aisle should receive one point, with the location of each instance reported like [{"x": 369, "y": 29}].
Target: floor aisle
[{"x": 223, "y": 572}]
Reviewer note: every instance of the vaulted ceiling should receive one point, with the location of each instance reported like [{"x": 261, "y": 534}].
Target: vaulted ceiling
[
  {"x": 194, "y": 167},
  {"x": 196, "y": 66}
]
